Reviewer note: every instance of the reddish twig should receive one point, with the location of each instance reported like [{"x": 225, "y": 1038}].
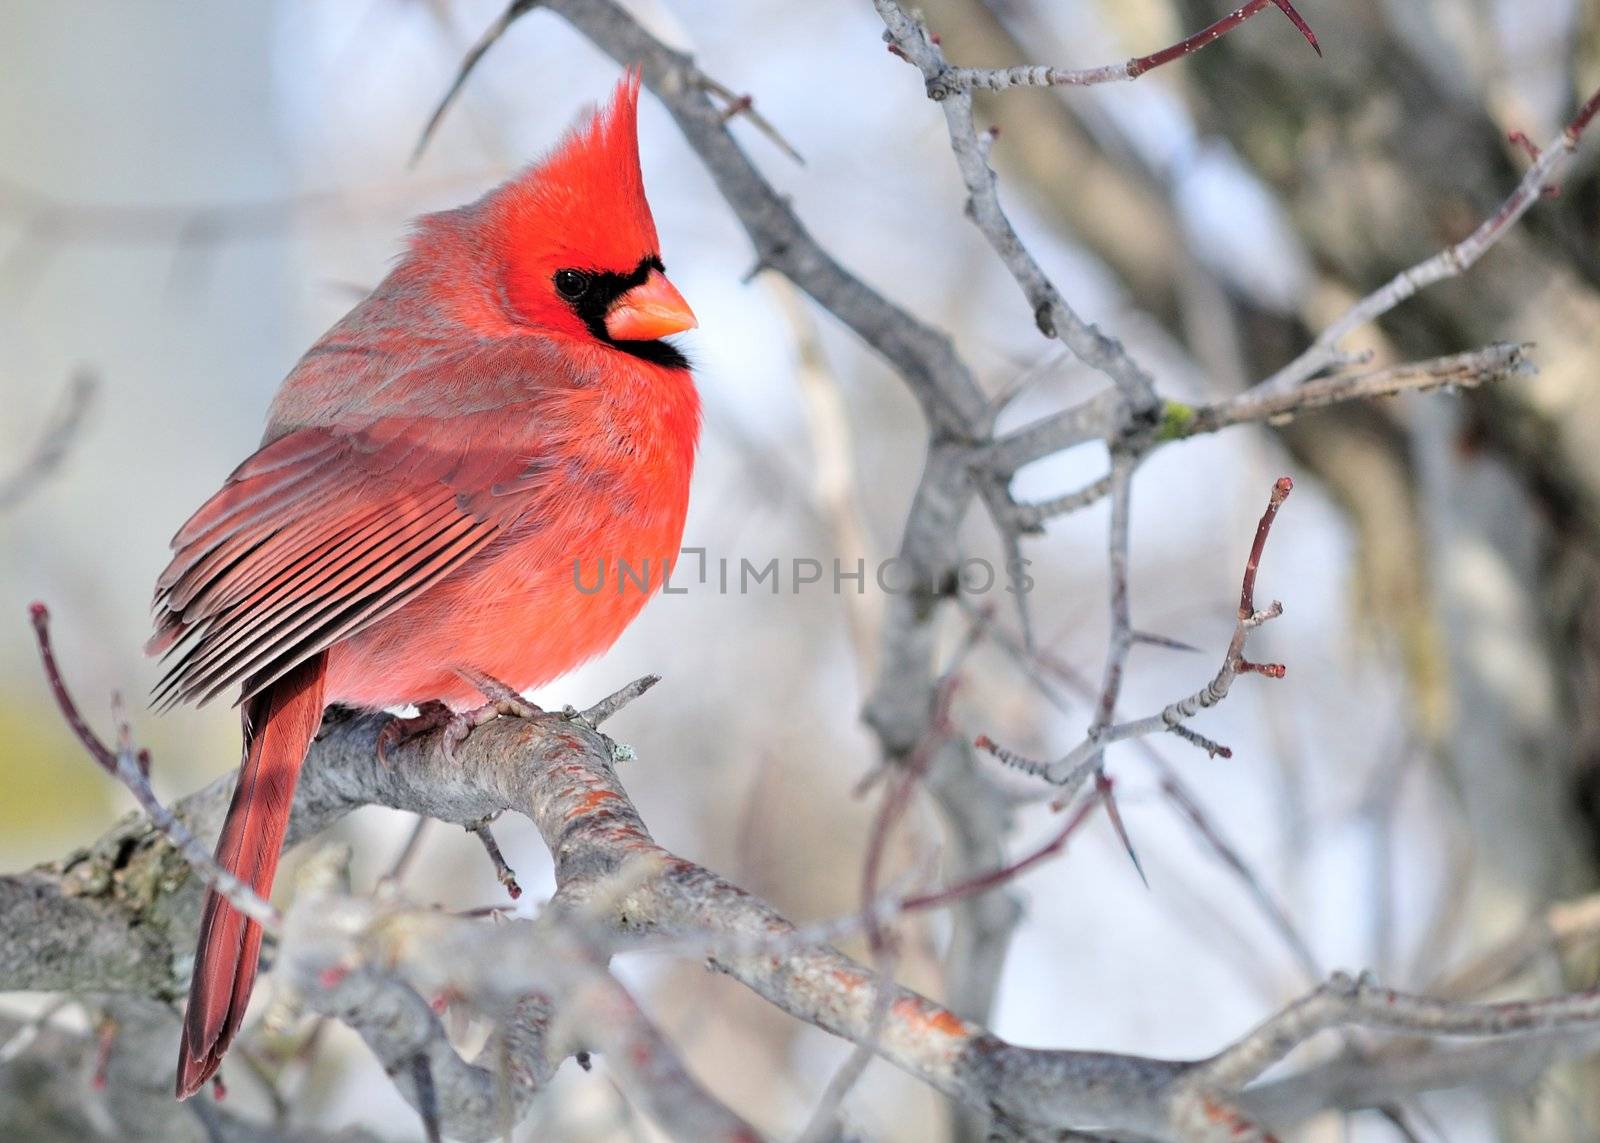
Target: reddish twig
[
  {"x": 995, "y": 878},
  {"x": 1247, "y": 590},
  {"x": 1209, "y": 35},
  {"x": 105, "y": 1040},
  {"x": 1072, "y": 769},
  {"x": 131, "y": 767}
]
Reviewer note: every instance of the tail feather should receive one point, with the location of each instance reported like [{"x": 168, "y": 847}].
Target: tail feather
[{"x": 278, "y": 727}]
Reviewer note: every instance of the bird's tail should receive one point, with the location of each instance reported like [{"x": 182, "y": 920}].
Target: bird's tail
[{"x": 278, "y": 727}]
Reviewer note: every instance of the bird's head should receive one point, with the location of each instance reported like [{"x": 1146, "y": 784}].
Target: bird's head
[{"x": 577, "y": 246}]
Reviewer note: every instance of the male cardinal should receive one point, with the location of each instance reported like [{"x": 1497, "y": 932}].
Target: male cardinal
[{"x": 499, "y": 410}]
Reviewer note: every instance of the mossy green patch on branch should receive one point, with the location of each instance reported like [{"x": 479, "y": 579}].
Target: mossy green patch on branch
[{"x": 1177, "y": 421}]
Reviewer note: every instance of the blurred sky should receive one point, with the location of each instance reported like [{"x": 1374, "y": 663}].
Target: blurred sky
[{"x": 291, "y": 123}]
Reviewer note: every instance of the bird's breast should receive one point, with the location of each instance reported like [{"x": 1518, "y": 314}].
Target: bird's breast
[{"x": 592, "y": 525}]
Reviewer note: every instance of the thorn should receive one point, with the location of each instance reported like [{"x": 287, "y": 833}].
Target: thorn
[
  {"x": 1103, "y": 784},
  {"x": 1170, "y": 644},
  {"x": 1270, "y": 670},
  {"x": 869, "y": 781},
  {"x": 745, "y": 105},
  {"x": 1298, "y": 21}
]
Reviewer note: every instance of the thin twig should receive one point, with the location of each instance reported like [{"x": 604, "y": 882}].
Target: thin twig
[
  {"x": 126, "y": 766},
  {"x": 1036, "y": 75},
  {"x": 502, "y": 872},
  {"x": 1052, "y": 314},
  {"x": 613, "y": 703},
  {"x": 1073, "y": 768}
]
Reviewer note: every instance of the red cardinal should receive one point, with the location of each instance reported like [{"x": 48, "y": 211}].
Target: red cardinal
[{"x": 501, "y": 408}]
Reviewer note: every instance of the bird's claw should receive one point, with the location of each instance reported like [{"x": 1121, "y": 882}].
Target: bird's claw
[
  {"x": 430, "y": 716},
  {"x": 455, "y": 726},
  {"x": 503, "y": 699}
]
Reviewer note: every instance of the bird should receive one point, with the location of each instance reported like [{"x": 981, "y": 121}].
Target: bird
[{"x": 504, "y": 408}]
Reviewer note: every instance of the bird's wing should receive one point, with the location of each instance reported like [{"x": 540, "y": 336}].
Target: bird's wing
[{"x": 323, "y": 532}]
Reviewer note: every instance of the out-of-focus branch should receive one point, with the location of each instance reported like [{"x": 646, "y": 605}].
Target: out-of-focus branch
[
  {"x": 65, "y": 425},
  {"x": 363, "y": 962},
  {"x": 1558, "y": 929}
]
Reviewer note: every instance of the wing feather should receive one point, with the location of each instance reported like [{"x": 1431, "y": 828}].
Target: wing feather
[
  {"x": 316, "y": 536},
  {"x": 324, "y": 578}
]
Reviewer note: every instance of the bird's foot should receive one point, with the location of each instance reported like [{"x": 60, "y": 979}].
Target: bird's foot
[
  {"x": 430, "y": 716},
  {"x": 503, "y": 698},
  {"x": 504, "y": 702}
]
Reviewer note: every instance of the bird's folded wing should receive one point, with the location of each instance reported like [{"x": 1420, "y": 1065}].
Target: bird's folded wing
[{"x": 316, "y": 536}]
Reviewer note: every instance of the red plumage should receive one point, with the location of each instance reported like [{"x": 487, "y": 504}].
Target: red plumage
[{"x": 498, "y": 410}]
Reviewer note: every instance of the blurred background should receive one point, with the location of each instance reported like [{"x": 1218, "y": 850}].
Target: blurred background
[{"x": 190, "y": 193}]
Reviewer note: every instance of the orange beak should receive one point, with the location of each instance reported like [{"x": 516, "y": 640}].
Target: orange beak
[{"x": 648, "y": 311}]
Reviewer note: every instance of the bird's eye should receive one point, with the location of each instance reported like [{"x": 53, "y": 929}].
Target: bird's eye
[{"x": 572, "y": 284}]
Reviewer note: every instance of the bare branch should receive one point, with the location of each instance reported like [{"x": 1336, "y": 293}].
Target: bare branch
[
  {"x": 1485, "y": 366},
  {"x": 613, "y": 703},
  {"x": 1035, "y": 75},
  {"x": 1347, "y": 1001},
  {"x": 1547, "y": 169},
  {"x": 1054, "y": 316}
]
